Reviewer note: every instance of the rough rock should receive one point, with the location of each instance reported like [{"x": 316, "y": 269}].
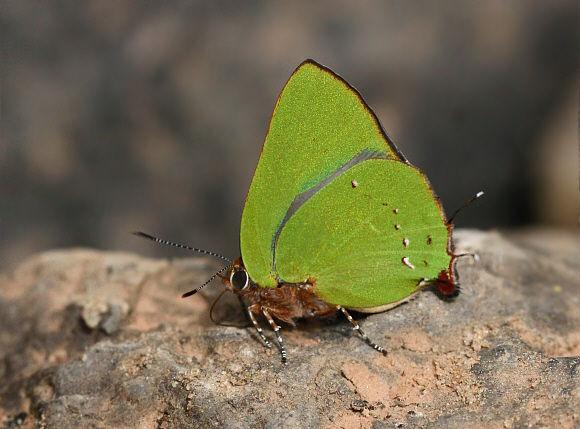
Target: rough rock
[{"x": 103, "y": 339}]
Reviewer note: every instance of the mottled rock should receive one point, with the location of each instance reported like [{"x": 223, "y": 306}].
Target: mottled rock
[{"x": 103, "y": 339}]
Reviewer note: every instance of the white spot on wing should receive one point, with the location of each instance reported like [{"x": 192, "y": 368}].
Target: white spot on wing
[
  {"x": 405, "y": 242},
  {"x": 396, "y": 211},
  {"x": 408, "y": 263},
  {"x": 354, "y": 183},
  {"x": 397, "y": 226}
]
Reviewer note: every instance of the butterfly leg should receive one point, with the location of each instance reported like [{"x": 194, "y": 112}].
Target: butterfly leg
[
  {"x": 253, "y": 319},
  {"x": 276, "y": 329},
  {"x": 357, "y": 328}
]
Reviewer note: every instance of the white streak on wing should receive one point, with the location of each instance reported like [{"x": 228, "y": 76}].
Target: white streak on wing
[{"x": 408, "y": 263}]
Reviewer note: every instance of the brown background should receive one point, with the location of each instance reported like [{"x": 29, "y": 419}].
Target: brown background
[{"x": 150, "y": 115}]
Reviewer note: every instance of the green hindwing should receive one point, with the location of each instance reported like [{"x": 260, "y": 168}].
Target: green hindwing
[{"x": 368, "y": 238}]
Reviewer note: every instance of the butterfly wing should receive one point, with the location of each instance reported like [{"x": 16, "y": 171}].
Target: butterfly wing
[
  {"x": 318, "y": 125},
  {"x": 367, "y": 238}
]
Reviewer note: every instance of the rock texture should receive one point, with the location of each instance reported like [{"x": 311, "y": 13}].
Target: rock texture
[{"x": 103, "y": 339}]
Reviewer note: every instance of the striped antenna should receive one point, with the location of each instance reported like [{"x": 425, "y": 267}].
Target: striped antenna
[
  {"x": 160, "y": 240},
  {"x": 197, "y": 289}
]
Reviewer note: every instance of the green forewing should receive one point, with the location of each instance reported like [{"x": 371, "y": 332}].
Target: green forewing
[
  {"x": 318, "y": 125},
  {"x": 351, "y": 236}
]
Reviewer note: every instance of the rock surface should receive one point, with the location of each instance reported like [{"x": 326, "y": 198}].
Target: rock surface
[{"x": 103, "y": 339}]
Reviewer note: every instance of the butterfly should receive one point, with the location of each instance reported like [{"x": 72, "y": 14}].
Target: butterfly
[{"x": 336, "y": 218}]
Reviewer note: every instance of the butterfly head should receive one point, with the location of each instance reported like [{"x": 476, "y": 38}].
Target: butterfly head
[{"x": 236, "y": 278}]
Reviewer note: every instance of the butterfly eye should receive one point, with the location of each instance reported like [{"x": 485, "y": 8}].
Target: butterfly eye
[{"x": 239, "y": 279}]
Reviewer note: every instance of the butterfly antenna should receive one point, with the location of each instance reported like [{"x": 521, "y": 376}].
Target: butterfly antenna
[
  {"x": 197, "y": 289},
  {"x": 160, "y": 240},
  {"x": 468, "y": 202}
]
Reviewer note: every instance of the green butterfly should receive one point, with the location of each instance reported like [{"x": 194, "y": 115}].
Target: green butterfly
[{"x": 335, "y": 217}]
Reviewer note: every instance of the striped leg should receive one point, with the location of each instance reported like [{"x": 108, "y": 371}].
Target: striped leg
[
  {"x": 276, "y": 329},
  {"x": 357, "y": 328},
  {"x": 253, "y": 319}
]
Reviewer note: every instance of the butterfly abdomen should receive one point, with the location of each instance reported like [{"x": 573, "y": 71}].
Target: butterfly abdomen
[{"x": 287, "y": 302}]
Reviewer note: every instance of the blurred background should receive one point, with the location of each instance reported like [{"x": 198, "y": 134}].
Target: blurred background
[{"x": 124, "y": 115}]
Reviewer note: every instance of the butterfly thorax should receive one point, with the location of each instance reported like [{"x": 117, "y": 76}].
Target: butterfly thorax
[{"x": 286, "y": 302}]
